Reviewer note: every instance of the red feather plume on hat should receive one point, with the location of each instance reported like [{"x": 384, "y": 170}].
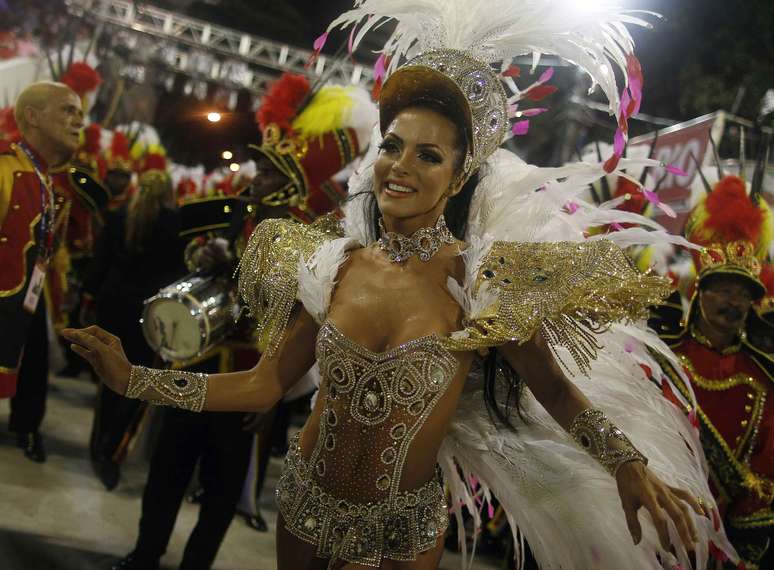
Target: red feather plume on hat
[
  {"x": 281, "y": 102},
  {"x": 153, "y": 161},
  {"x": 81, "y": 78},
  {"x": 731, "y": 213},
  {"x": 119, "y": 146},
  {"x": 91, "y": 139},
  {"x": 9, "y": 130}
]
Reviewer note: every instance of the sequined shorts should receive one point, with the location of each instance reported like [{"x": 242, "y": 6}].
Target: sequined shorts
[{"x": 360, "y": 533}]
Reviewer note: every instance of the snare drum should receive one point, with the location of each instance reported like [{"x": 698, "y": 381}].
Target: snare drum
[{"x": 188, "y": 317}]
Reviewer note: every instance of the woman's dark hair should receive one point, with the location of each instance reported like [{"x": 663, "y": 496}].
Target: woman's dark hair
[{"x": 499, "y": 376}]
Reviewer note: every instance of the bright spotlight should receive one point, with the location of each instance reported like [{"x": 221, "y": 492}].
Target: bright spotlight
[
  {"x": 234, "y": 167},
  {"x": 213, "y": 117},
  {"x": 227, "y": 155}
]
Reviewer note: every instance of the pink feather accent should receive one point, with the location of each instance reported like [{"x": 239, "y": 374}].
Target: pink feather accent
[
  {"x": 625, "y": 102},
  {"x": 534, "y": 112},
  {"x": 619, "y": 142},
  {"x": 379, "y": 68},
  {"x": 546, "y": 75},
  {"x": 319, "y": 43},
  {"x": 651, "y": 197},
  {"x": 520, "y": 128},
  {"x": 675, "y": 170}
]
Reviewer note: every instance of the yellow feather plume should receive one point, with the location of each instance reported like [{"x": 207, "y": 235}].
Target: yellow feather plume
[{"x": 329, "y": 110}]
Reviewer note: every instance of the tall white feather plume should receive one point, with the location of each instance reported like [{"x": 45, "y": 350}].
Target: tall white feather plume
[
  {"x": 362, "y": 115},
  {"x": 592, "y": 36},
  {"x": 360, "y": 184},
  {"x": 317, "y": 276},
  {"x": 473, "y": 302},
  {"x": 515, "y": 201}
]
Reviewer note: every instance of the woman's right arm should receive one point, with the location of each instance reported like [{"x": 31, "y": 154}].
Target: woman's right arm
[{"x": 254, "y": 390}]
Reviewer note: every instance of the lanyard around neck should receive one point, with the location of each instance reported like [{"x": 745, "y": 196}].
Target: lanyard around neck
[{"x": 46, "y": 229}]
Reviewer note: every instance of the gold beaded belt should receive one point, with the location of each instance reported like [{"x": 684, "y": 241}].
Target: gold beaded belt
[{"x": 360, "y": 533}]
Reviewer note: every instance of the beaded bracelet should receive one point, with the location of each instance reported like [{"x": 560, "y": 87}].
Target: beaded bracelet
[
  {"x": 603, "y": 440},
  {"x": 177, "y": 388}
]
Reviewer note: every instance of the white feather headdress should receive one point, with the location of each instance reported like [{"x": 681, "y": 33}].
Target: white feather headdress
[{"x": 592, "y": 36}]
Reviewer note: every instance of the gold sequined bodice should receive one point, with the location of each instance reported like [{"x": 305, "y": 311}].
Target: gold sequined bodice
[{"x": 375, "y": 404}]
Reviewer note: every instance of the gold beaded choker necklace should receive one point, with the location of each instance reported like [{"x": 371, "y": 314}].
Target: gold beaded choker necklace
[{"x": 424, "y": 243}]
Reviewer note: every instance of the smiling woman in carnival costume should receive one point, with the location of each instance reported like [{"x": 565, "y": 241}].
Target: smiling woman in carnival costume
[{"x": 457, "y": 278}]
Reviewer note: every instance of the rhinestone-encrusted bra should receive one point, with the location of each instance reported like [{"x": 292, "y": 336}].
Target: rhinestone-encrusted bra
[{"x": 376, "y": 402}]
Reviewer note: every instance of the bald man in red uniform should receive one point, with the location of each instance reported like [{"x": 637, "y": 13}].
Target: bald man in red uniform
[{"x": 50, "y": 118}]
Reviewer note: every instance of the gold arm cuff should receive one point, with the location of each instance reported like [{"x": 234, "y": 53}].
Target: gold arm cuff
[
  {"x": 603, "y": 440},
  {"x": 176, "y": 388}
]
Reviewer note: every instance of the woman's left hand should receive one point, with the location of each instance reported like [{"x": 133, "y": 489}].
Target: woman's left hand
[{"x": 639, "y": 487}]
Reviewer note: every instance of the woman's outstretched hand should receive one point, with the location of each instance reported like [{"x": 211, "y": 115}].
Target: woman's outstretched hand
[
  {"x": 105, "y": 354},
  {"x": 639, "y": 487}
]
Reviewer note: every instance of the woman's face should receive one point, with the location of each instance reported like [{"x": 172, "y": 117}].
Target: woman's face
[{"x": 416, "y": 169}]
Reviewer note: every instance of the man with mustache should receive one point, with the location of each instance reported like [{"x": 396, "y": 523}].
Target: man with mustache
[
  {"x": 50, "y": 118},
  {"x": 724, "y": 345}
]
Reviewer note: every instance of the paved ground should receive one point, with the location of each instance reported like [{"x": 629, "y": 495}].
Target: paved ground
[{"x": 57, "y": 516}]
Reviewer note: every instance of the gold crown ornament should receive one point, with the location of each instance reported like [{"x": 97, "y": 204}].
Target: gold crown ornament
[
  {"x": 467, "y": 85},
  {"x": 733, "y": 258}
]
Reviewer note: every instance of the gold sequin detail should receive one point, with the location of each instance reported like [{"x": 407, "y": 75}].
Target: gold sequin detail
[
  {"x": 385, "y": 397},
  {"x": 603, "y": 440},
  {"x": 569, "y": 290},
  {"x": 268, "y": 272},
  {"x": 369, "y": 397},
  {"x": 176, "y": 388},
  {"x": 720, "y": 384},
  {"x": 359, "y": 533}
]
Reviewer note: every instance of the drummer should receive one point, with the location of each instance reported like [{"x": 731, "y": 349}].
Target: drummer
[
  {"x": 293, "y": 179},
  {"x": 138, "y": 251}
]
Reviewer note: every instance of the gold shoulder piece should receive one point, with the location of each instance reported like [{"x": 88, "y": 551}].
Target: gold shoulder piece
[
  {"x": 569, "y": 290},
  {"x": 268, "y": 271}
]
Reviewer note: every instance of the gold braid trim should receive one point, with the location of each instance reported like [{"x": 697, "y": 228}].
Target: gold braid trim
[
  {"x": 758, "y": 519},
  {"x": 733, "y": 473},
  {"x": 750, "y": 438},
  {"x": 720, "y": 384},
  {"x": 569, "y": 290},
  {"x": 268, "y": 272}
]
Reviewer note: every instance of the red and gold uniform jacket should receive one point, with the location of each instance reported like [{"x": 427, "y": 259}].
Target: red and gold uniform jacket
[
  {"x": 735, "y": 395},
  {"x": 21, "y": 210}
]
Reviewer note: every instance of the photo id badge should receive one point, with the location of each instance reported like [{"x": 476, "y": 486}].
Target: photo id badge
[{"x": 35, "y": 288}]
